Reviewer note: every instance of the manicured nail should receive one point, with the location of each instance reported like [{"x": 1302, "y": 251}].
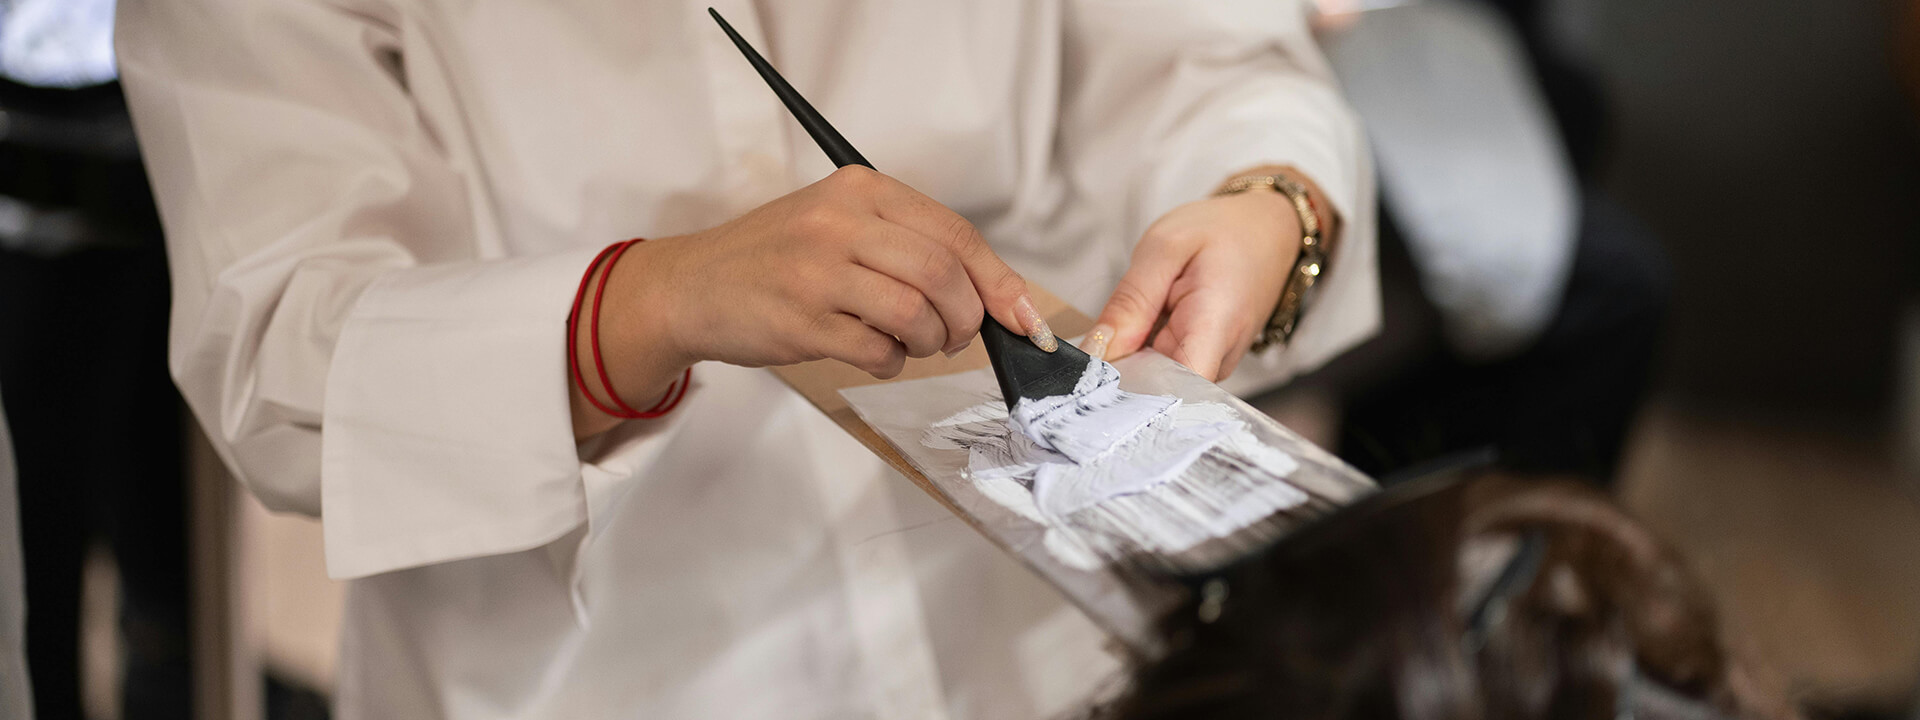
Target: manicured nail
[
  {"x": 1036, "y": 326},
  {"x": 954, "y": 353},
  {"x": 1095, "y": 343}
]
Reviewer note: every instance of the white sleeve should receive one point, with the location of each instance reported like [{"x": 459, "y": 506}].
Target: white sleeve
[
  {"x": 1481, "y": 187},
  {"x": 1166, "y": 98},
  {"x": 337, "y": 327}
]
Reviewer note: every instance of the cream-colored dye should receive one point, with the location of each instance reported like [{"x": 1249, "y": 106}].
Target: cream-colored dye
[{"x": 1111, "y": 472}]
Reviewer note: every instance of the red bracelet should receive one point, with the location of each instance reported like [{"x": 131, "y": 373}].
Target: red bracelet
[
  {"x": 675, "y": 391},
  {"x": 573, "y": 329}
]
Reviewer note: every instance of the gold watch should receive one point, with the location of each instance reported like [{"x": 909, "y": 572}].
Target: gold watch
[{"x": 1307, "y": 268}]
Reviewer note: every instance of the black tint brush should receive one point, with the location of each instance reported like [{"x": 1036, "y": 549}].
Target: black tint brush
[{"x": 1024, "y": 370}]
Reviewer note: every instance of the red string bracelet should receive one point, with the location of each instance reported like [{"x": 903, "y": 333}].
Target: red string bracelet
[
  {"x": 675, "y": 391},
  {"x": 573, "y": 329}
]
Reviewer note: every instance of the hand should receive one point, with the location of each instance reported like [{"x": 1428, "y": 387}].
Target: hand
[
  {"x": 1212, "y": 270},
  {"x": 856, "y": 267}
]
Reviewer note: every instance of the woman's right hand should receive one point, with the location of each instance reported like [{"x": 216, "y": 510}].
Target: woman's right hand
[{"x": 857, "y": 267}]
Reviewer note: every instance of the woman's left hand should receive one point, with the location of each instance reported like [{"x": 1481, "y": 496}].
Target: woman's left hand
[{"x": 1203, "y": 282}]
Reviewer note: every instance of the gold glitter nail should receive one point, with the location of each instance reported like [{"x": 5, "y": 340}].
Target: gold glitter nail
[
  {"x": 1096, "y": 341},
  {"x": 1036, "y": 326}
]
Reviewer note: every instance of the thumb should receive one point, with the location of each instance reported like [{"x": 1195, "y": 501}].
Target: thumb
[
  {"x": 1004, "y": 294},
  {"x": 1137, "y": 302}
]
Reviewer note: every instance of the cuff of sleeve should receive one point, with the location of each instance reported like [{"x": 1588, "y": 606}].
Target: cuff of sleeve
[
  {"x": 448, "y": 432},
  {"x": 1322, "y": 143},
  {"x": 611, "y": 466}
]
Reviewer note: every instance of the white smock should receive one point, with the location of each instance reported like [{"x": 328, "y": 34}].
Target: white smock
[{"x": 378, "y": 212}]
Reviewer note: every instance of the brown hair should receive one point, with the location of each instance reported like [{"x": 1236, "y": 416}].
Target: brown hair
[{"x": 1389, "y": 609}]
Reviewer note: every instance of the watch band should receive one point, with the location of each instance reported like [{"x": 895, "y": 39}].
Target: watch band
[{"x": 1307, "y": 268}]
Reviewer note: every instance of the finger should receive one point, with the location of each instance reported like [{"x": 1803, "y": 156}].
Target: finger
[
  {"x": 1172, "y": 345},
  {"x": 1001, "y": 290},
  {"x": 1202, "y": 351},
  {"x": 1095, "y": 342},
  {"x": 1140, "y": 298},
  {"x": 1235, "y": 353},
  {"x": 1201, "y": 334},
  {"x": 846, "y": 338},
  {"x": 930, "y": 268},
  {"x": 1168, "y": 344},
  {"x": 892, "y": 307}
]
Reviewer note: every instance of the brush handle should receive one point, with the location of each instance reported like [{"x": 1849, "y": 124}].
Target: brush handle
[
  {"x": 1022, "y": 369},
  {"x": 837, "y": 148}
]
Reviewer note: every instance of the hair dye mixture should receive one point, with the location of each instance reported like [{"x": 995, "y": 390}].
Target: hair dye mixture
[{"x": 1111, "y": 472}]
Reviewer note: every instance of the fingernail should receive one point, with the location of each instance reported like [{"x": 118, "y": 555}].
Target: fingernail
[
  {"x": 1095, "y": 344},
  {"x": 1037, "y": 329},
  {"x": 951, "y": 354}
]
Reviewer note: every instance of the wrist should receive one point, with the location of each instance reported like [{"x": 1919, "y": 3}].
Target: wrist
[
  {"x": 1277, "y": 217},
  {"x": 620, "y": 351},
  {"x": 643, "y": 311},
  {"x": 1311, "y": 251},
  {"x": 1330, "y": 221},
  {"x": 1270, "y": 246}
]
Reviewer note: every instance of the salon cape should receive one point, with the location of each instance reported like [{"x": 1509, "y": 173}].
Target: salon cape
[{"x": 378, "y": 212}]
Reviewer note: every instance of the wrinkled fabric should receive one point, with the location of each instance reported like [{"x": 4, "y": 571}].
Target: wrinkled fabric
[
  {"x": 377, "y": 214},
  {"x": 16, "y": 693},
  {"x": 1471, "y": 164}
]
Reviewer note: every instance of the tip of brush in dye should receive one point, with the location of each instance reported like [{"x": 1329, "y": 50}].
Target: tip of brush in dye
[{"x": 1026, "y": 371}]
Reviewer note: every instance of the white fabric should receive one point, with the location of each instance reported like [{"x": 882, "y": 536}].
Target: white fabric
[
  {"x": 1478, "y": 179},
  {"x": 16, "y": 694},
  {"x": 377, "y": 211}
]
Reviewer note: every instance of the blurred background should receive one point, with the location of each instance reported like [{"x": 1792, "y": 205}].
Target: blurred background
[{"x": 1669, "y": 245}]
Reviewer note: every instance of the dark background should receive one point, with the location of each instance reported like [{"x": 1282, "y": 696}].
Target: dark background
[{"x": 1770, "y": 145}]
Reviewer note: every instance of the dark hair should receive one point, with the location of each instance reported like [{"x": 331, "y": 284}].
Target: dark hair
[{"x": 1452, "y": 599}]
